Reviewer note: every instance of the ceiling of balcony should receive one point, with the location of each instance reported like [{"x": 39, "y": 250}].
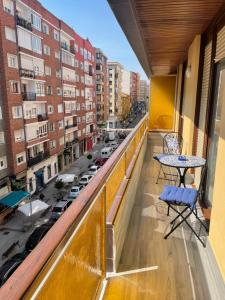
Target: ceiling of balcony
[{"x": 160, "y": 31}]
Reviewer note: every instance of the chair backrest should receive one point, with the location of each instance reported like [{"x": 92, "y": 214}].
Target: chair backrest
[{"x": 172, "y": 143}]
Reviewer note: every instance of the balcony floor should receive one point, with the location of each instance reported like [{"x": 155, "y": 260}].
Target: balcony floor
[{"x": 177, "y": 272}]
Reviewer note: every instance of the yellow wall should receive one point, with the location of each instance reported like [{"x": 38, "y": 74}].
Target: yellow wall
[
  {"x": 190, "y": 93},
  {"x": 217, "y": 222},
  {"x": 162, "y": 100}
]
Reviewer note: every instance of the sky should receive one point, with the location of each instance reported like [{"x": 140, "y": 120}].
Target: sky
[{"x": 94, "y": 19}]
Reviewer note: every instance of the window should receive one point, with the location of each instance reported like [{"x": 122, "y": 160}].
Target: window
[
  {"x": 83, "y": 118},
  {"x": 56, "y": 35},
  {"x": 77, "y": 92},
  {"x": 76, "y": 63},
  {"x": 51, "y": 126},
  {"x": 14, "y": 87},
  {"x": 60, "y": 108},
  {"x": 68, "y": 58},
  {"x": 47, "y": 50},
  {"x": 36, "y": 44},
  {"x": 45, "y": 28},
  {"x": 57, "y": 54},
  {"x": 82, "y": 79},
  {"x": 49, "y": 171},
  {"x": 78, "y": 106},
  {"x": 10, "y": 34},
  {"x": 17, "y": 112},
  {"x": 2, "y": 137},
  {"x": 61, "y": 141},
  {"x": 58, "y": 73},
  {"x": 3, "y": 163},
  {"x": 77, "y": 78},
  {"x": 59, "y": 91},
  {"x": 19, "y": 135},
  {"x": 40, "y": 88},
  {"x": 78, "y": 120},
  {"x": 49, "y": 90},
  {"x": 36, "y": 21},
  {"x": 8, "y": 6},
  {"x": 20, "y": 158},
  {"x": 81, "y": 51},
  {"x": 12, "y": 61},
  {"x": 0, "y": 113},
  {"x": 50, "y": 109},
  {"x": 30, "y": 182},
  {"x": 61, "y": 124},
  {"x": 55, "y": 168},
  {"x": 52, "y": 144},
  {"x": 48, "y": 71}
]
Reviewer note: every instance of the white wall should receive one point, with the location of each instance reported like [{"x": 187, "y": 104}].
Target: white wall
[{"x": 126, "y": 82}]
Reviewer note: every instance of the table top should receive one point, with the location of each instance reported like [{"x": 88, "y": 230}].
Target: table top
[{"x": 173, "y": 161}]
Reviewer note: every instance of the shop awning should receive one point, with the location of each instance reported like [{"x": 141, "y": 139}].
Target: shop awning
[{"x": 13, "y": 198}]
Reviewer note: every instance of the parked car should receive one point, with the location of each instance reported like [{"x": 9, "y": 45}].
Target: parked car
[
  {"x": 106, "y": 152},
  {"x": 100, "y": 161},
  {"x": 94, "y": 169},
  {"x": 67, "y": 178},
  {"x": 75, "y": 191},
  {"x": 85, "y": 179},
  {"x": 36, "y": 236},
  {"x": 59, "y": 209},
  {"x": 114, "y": 145},
  {"x": 10, "y": 266}
]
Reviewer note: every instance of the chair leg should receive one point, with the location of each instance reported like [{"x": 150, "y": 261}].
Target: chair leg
[
  {"x": 159, "y": 174},
  {"x": 168, "y": 210}
]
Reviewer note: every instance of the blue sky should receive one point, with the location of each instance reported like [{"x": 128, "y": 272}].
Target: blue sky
[{"x": 95, "y": 20}]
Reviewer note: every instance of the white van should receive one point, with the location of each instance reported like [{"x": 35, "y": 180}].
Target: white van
[{"x": 106, "y": 152}]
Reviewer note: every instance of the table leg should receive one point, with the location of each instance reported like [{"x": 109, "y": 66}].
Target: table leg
[{"x": 182, "y": 176}]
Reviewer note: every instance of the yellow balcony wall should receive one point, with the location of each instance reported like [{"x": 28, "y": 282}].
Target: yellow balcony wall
[{"x": 162, "y": 103}]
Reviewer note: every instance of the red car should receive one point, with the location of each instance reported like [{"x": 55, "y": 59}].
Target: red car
[{"x": 100, "y": 161}]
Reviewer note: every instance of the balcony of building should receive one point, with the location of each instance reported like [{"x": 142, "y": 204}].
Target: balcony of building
[
  {"x": 27, "y": 73},
  {"x": 29, "y": 96},
  {"x": 23, "y": 23},
  {"x": 38, "y": 158},
  {"x": 37, "y": 153},
  {"x": 110, "y": 243}
]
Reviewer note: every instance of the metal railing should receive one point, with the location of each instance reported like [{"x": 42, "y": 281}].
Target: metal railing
[
  {"x": 23, "y": 23},
  {"x": 27, "y": 73},
  {"x": 40, "y": 157},
  {"x": 42, "y": 117},
  {"x": 71, "y": 126},
  {"x": 28, "y": 96}
]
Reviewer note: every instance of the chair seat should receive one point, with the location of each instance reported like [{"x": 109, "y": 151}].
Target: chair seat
[{"x": 179, "y": 195}]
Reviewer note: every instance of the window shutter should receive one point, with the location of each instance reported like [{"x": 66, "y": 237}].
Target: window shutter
[{"x": 220, "y": 45}]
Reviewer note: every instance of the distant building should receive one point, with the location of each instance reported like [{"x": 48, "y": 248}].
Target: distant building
[
  {"x": 126, "y": 82},
  {"x": 102, "y": 91},
  {"x": 115, "y": 89},
  {"x": 144, "y": 90},
  {"x": 134, "y": 86}
]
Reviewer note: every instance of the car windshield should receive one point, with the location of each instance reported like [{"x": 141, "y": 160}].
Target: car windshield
[
  {"x": 57, "y": 209},
  {"x": 84, "y": 179},
  {"x": 75, "y": 190}
]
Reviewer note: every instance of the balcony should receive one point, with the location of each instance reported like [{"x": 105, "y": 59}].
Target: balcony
[
  {"x": 70, "y": 126},
  {"x": 42, "y": 117},
  {"x": 37, "y": 159},
  {"x": 23, "y": 23},
  {"x": 28, "y": 96},
  {"x": 27, "y": 73},
  {"x": 71, "y": 143}
]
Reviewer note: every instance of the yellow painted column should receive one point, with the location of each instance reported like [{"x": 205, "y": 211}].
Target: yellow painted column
[{"x": 162, "y": 103}]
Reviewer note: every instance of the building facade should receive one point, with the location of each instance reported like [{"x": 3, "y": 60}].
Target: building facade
[
  {"x": 144, "y": 90},
  {"x": 48, "y": 87},
  {"x": 134, "y": 86},
  {"x": 115, "y": 89},
  {"x": 102, "y": 97}
]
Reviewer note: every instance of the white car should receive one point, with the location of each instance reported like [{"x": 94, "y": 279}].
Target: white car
[
  {"x": 94, "y": 170},
  {"x": 67, "y": 178},
  {"x": 75, "y": 191},
  {"x": 114, "y": 145},
  {"x": 85, "y": 179}
]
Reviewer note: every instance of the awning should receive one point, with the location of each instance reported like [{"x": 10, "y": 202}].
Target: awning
[
  {"x": 32, "y": 208},
  {"x": 13, "y": 198}
]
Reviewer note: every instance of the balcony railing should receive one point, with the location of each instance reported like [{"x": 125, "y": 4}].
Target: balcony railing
[
  {"x": 65, "y": 46},
  {"x": 23, "y": 23},
  {"x": 27, "y": 73},
  {"x": 71, "y": 143},
  {"x": 40, "y": 157},
  {"x": 29, "y": 96},
  {"x": 71, "y": 126},
  {"x": 82, "y": 226},
  {"x": 42, "y": 117}
]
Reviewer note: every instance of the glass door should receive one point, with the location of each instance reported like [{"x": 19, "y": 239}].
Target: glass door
[{"x": 215, "y": 130}]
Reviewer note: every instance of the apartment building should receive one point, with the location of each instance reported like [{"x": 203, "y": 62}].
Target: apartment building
[
  {"x": 48, "y": 87},
  {"x": 115, "y": 89},
  {"x": 134, "y": 86},
  {"x": 102, "y": 95},
  {"x": 144, "y": 90}
]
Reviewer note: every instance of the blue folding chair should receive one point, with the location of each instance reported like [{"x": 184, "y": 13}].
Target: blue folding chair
[
  {"x": 172, "y": 144},
  {"x": 187, "y": 197}
]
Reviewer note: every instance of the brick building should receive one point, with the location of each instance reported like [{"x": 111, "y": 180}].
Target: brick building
[
  {"x": 134, "y": 86},
  {"x": 102, "y": 92},
  {"x": 48, "y": 85}
]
